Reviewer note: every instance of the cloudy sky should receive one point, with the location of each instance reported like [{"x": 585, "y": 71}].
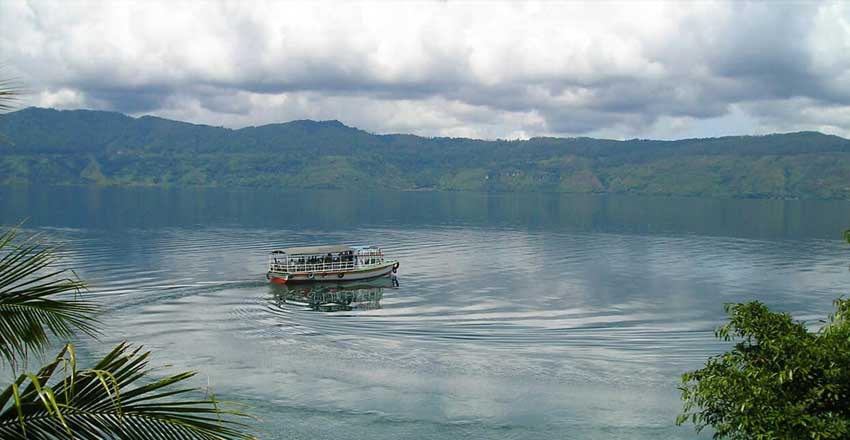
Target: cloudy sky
[{"x": 487, "y": 70}]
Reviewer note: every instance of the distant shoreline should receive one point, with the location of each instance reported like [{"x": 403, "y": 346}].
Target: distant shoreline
[
  {"x": 402, "y": 190},
  {"x": 76, "y": 147}
]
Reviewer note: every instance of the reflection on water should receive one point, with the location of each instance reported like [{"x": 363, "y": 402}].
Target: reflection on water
[
  {"x": 518, "y": 316},
  {"x": 122, "y": 208},
  {"x": 333, "y": 297}
]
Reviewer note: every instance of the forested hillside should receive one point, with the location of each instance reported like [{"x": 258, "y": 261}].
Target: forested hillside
[{"x": 48, "y": 146}]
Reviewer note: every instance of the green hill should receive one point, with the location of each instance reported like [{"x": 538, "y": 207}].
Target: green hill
[{"x": 76, "y": 147}]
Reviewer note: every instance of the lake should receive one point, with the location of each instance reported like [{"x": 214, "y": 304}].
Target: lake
[{"x": 537, "y": 316}]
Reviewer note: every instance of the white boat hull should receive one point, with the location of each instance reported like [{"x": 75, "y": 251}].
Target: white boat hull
[{"x": 334, "y": 276}]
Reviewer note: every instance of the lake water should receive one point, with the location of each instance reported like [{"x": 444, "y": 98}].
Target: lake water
[{"x": 535, "y": 316}]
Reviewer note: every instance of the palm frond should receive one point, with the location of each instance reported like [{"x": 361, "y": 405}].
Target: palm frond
[
  {"x": 36, "y": 301},
  {"x": 10, "y": 92},
  {"x": 114, "y": 399}
]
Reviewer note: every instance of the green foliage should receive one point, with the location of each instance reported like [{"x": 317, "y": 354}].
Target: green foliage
[
  {"x": 780, "y": 381},
  {"x": 114, "y": 399},
  {"x": 104, "y": 148},
  {"x": 34, "y": 300}
]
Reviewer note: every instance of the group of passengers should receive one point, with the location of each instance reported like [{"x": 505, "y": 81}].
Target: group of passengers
[
  {"x": 330, "y": 258},
  {"x": 311, "y": 262}
]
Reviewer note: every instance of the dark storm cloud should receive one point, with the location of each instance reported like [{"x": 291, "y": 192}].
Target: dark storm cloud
[
  {"x": 764, "y": 49},
  {"x": 142, "y": 99}
]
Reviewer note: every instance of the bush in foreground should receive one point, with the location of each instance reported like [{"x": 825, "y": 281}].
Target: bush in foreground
[{"x": 780, "y": 381}]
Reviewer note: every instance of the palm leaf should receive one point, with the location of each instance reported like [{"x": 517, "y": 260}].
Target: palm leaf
[
  {"x": 114, "y": 399},
  {"x": 10, "y": 91},
  {"x": 35, "y": 301}
]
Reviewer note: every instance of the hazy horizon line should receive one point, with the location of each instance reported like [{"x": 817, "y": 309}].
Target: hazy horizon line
[{"x": 147, "y": 115}]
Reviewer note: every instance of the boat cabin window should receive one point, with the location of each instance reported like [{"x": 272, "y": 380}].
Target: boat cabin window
[
  {"x": 336, "y": 260},
  {"x": 370, "y": 256}
]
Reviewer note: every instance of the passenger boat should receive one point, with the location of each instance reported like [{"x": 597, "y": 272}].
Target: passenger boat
[{"x": 328, "y": 263}]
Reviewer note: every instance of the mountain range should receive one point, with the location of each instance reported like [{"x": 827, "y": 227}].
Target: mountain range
[{"x": 82, "y": 147}]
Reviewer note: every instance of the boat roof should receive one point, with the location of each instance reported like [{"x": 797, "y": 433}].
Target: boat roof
[{"x": 313, "y": 250}]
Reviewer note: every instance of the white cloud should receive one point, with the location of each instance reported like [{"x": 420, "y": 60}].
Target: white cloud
[
  {"x": 64, "y": 98},
  {"x": 630, "y": 69}
]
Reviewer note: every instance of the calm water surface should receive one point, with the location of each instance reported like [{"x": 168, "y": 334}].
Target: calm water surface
[{"x": 516, "y": 316}]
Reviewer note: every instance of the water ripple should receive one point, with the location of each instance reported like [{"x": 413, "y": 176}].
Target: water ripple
[{"x": 487, "y": 304}]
